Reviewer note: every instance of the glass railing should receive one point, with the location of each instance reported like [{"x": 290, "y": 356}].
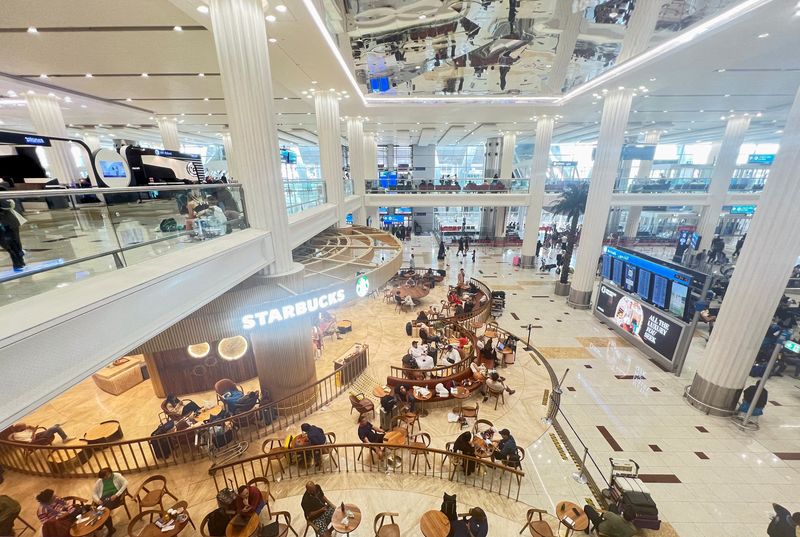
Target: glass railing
[
  {"x": 348, "y": 187},
  {"x": 554, "y": 186},
  {"x": 633, "y": 185},
  {"x": 302, "y": 195},
  {"x": 68, "y": 235},
  {"x": 465, "y": 186}
]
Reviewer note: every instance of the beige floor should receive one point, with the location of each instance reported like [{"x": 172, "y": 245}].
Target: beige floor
[{"x": 548, "y": 475}]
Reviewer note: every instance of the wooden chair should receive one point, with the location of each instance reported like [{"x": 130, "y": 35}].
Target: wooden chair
[
  {"x": 167, "y": 415},
  {"x": 286, "y": 525},
  {"x": 405, "y": 422},
  {"x": 481, "y": 426},
  {"x": 451, "y": 459},
  {"x": 153, "y": 494},
  {"x": 223, "y": 386},
  {"x": 386, "y": 530},
  {"x": 388, "y": 295},
  {"x": 204, "y": 532},
  {"x": 513, "y": 464},
  {"x": 373, "y": 450},
  {"x": 273, "y": 447},
  {"x": 262, "y": 484},
  {"x": 361, "y": 403},
  {"x": 538, "y": 528},
  {"x": 470, "y": 411},
  {"x": 498, "y": 396},
  {"x": 75, "y": 501},
  {"x": 151, "y": 515},
  {"x": 183, "y": 504},
  {"x": 419, "y": 442},
  {"x": 27, "y": 525},
  {"x": 331, "y": 452}
]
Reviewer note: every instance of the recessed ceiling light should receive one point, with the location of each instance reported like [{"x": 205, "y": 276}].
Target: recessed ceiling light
[
  {"x": 272, "y": 40},
  {"x": 128, "y": 99},
  {"x": 280, "y": 8},
  {"x": 271, "y": 18},
  {"x": 423, "y": 17},
  {"x": 203, "y": 9},
  {"x": 762, "y": 36},
  {"x": 205, "y": 98},
  {"x": 201, "y": 75},
  {"x": 209, "y": 113},
  {"x": 89, "y": 75},
  {"x": 286, "y": 98},
  {"x": 42, "y": 76},
  {"x": 721, "y": 70},
  {"x": 178, "y": 28},
  {"x": 145, "y": 75},
  {"x": 727, "y": 95},
  {"x": 779, "y": 131},
  {"x": 313, "y": 81},
  {"x": 665, "y": 111},
  {"x": 346, "y": 96},
  {"x": 701, "y": 111},
  {"x": 652, "y": 79},
  {"x": 33, "y": 30},
  {"x": 83, "y": 106}
]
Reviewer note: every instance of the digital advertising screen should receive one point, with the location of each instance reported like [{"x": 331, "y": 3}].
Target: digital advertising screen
[
  {"x": 112, "y": 168},
  {"x": 383, "y": 210},
  {"x": 659, "y": 291},
  {"x": 695, "y": 241},
  {"x": 655, "y": 330},
  {"x": 643, "y": 286},
  {"x": 403, "y": 210},
  {"x": 677, "y": 299}
]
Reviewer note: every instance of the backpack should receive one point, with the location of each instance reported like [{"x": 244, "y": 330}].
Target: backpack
[
  {"x": 409, "y": 328},
  {"x": 168, "y": 225},
  {"x": 218, "y": 523},
  {"x": 449, "y": 506}
]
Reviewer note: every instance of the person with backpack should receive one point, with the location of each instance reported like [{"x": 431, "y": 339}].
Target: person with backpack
[{"x": 783, "y": 524}]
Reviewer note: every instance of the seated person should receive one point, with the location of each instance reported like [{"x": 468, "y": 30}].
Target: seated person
[
  {"x": 611, "y": 524},
  {"x": 450, "y": 356},
  {"x": 747, "y": 397},
  {"x": 317, "y": 509},
  {"x": 175, "y": 406},
  {"x": 422, "y": 317},
  {"x": 479, "y": 371},
  {"x": 416, "y": 349},
  {"x": 374, "y": 435},
  {"x": 229, "y": 399},
  {"x": 404, "y": 396},
  {"x": 212, "y": 220},
  {"x": 249, "y": 500},
  {"x": 475, "y": 526},
  {"x": 316, "y": 437},
  {"x": 463, "y": 341},
  {"x": 506, "y": 451},
  {"x": 783, "y": 524},
  {"x": 463, "y": 445},
  {"x": 495, "y": 384},
  {"x": 459, "y": 310},
  {"x": 408, "y": 301},
  {"x": 56, "y": 516},
  {"x": 9, "y": 510},
  {"x": 452, "y": 298},
  {"x": 109, "y": 489},
  {"x": 425, "y": 361},
  {"x": 28, "y": 434},
  {"x": 427, "y": 335}
]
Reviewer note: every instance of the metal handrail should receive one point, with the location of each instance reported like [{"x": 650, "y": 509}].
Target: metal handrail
[
  {"x": 63, "y": 192},
  {"x": 413, "y": 460},
  {"x": 135, "y": 455}
]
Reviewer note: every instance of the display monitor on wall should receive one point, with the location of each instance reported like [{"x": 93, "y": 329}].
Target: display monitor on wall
[
  {"x": 383, "y": 210},
  {"x": 677, "y": 298},
  {"x": 403, "y": 210},
  {"x": 695, "y": 241},
  {"x": 643, "y": 286},
  {"x": 660, "y": 291},
  {"x": 606, "y": 267},
  {"x": 112, "y": 169},
  {"x": 617, "y": 273}
]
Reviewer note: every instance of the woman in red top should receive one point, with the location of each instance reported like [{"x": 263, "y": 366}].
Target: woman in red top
[{"x": 249, "y": 500}]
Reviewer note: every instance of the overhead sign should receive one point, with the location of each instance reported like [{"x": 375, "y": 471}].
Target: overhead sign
[
  {"x": 655, "y": 268},
  {"x": 760, "y": 159},
  {"x": 564, "y": 163},
  {"x": 743, "y": 209},
  {"x": 362, "y": 286},
  {"x": 792, "y": 346},
  {"x": 657, "y": 331},
  {"x": 294, "y": 307},
  {"x": 23, "y": 139}
]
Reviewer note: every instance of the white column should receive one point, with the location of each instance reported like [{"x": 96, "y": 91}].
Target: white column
[
  {"x": 241, "y": 40},
  {"x": 227, "y": 145},
  {"x": 92, "y": 140},
  {"x": 566, "y": 46},
  {"x": 646, "y": 166},
  {"x": 507, "y": 157},
  {"x": 632, "y": 223},
  {"x": 533, "y": 215},
  {"x": 732, "y": 140},
  {"x": 370, "y": 157},
  {"x": 355, "y": 140},
  {"x": 169, "y": 134},
  {"x": 46, "y": 116},
  {"x": 326, "y": 107},
  {"x": 616, "y": 109},
  {"x": 491, "y": 163},
  {"x": 639, "y": 30},
  {"x": 500, "y": 214},
  {"x": 758, "y": 283}
]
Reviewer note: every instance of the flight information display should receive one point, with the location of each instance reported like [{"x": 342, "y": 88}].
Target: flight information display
[
  {"x": 643, "y": 287},
  {"x": 617, "y": 276},
  {"x": 629, "y": 282},
  {"x": 606, "y": 267},
  {"x": 660, "y": 291}
]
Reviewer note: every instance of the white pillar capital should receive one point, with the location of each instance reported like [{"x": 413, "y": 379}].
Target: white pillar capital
[
  {"x": 169, "y": 134},
  {"x": 45, "y": 112}
]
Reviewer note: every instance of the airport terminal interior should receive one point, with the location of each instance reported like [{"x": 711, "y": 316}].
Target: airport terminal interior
[{"x": 400, "y": 268}]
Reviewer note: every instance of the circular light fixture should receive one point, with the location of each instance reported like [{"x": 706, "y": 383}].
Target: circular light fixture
[
  {"x": 232, "y": 348},
  {"x": 272, "y": 40},
  {"x": 280, "y": 8},
  {"x": 32, "y": 30},
  {"x": 271, "y": 18},
  {"x": 201, "y": 75},
  {"x": 177, "y": 28},
  {"x": 203, "y": 9},
  {"x": 198, "y": 350}
]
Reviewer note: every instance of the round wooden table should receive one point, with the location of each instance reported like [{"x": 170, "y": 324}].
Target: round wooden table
[
  {"x": 380, "y": 391},
  {"x": 483, "y": 450},
  {"x": 243, "y": 531},
  {"x": 60, "y": 459},
  {"x": 90, "y": 525},
  {"x": 434, "y": 524},
  {"x": 565, "y": 509},
  {"x": 461, "y": 394},
  {"x": 206, "y": 414},
  {"x": 352, "y": 523},
  {"x": 107, "y": 431},
  {"x": 422, "y": 399},
  {"x": 394, "y": 439},
  {"x": 151, "y": 530}
]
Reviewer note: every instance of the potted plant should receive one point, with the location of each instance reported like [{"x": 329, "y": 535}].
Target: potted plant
[{"x": 571, "y": 204}]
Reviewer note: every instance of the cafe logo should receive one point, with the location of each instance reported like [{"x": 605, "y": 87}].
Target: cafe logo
[
  {"x": 296, "y": 309},
  {"x": 362, "y": 286}
]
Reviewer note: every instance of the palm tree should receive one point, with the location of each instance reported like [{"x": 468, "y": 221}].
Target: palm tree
[{"x": 571, "y": 204}]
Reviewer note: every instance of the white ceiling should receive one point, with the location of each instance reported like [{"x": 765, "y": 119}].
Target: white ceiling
[{"x": 116, "y": 43}]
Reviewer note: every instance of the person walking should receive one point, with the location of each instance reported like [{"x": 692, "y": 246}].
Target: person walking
[
  {"x": 739, "y": 245},
  {"x": 10, "y": 241},
  {"x": 460, "y": 247}
]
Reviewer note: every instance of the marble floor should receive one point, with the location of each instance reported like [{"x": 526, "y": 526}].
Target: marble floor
[{"x": 707, "y": 476}]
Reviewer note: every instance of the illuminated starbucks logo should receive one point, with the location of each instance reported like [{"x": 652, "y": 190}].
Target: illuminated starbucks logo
[{"x": 362, "y": 286}]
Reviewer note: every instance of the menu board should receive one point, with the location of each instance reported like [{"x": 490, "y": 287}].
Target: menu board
[
  {"x": 659, "y": 291},
  {"x": 646, "y": 324}
]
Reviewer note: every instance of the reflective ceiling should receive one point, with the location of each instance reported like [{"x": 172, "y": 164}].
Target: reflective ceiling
[{"x": 425, "y": 48}]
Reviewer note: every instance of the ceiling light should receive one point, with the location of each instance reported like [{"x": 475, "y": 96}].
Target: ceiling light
[
  {"x": 128, "y": 100},
  {"x": 346, "y": 96},
  {"x": 203, "y": 9},
  {"x": 67, "y": 99},
  {"x": 280, "y": 8},
  {"x": 721, "y": 70},
  {"x": 201, "y": 75},
  {"x": 722, "y": 118},
  {"x": 272, "y": 40},
  {"x": 701, "y": 111},
  {"x": 665, "y": 111},
  {"x": 42, "y": 76},
  {"x": 84, "y": 106},
  {"x": 33, "y": 30},
  {"x": 758, "y": 114},
  {"x": 205, "y": 98},
  {"x": 423, "y": 17},
  {"x": 762, "y": 36},
  {"x": 304, "y": 92},
  {"x": 780, "y": 131},
  {"x": 271, "y": 18},
  {"x": 208, "y": 114},
  {"x": 727, "y": 95},
  {"x": 286, "y": 98},
  {"x": 145, "y": 75},
  {"x": 178, "y": 28},
  {"x": 88, "y": 75},
  {"x": 313, "y": 81}
]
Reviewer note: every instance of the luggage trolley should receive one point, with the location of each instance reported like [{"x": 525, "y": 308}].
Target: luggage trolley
[{"x": 628, "y": 490}]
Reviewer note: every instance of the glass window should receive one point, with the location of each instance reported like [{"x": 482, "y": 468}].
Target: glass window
[{"x": 463, "y": 161}]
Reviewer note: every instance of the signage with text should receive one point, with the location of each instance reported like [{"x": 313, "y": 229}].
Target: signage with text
[
  {"x": 657, "y": 331},
  {"x": 23, "y": 139},
  {"x": 760, "y": 159},
  {"x": 743, "y": 209},
  {"x": 294, "y": 307}
]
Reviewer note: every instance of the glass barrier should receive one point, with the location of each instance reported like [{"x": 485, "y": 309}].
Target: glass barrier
[
  {"x": 348, "y": 187},
  {"x": 302, "y": 195},
  {"x": 634, "y": 185},
  {"x": 554, "y": 186},
  {"x": 465, "y": 186},
  {"x": 67, "y": 235}
]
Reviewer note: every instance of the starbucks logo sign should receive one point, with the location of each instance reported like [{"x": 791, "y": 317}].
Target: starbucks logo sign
[{"x": 362, "y": 286}]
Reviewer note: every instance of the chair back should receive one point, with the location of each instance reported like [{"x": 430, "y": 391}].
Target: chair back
[
  {"x": 271, "y": 443},
  {"x": 330, "y": 437},
  {"x": 422, "y": 438},
  {"x": 380, "y": 523},
  {"x": 481, "y": 425},
  {"x": 151, "y": 516},
  {"x": 223, "y": 386},
  {"x": 470, "y": 411}
]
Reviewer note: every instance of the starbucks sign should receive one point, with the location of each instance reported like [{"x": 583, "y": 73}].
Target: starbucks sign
[{"x": 362, "y": 286}]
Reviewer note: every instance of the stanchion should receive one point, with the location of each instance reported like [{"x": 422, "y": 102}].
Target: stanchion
[{"x": 744, "y": 423}]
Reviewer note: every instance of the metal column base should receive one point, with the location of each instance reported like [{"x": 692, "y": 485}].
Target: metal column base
[
  {"x": 711, "y": 398},
  {"x": 528, "y": 261},
  {"x": 580, "y": 300}
]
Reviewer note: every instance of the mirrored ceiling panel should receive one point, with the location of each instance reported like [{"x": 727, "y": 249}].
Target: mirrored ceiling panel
[{"x": 480, "y": 48}]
